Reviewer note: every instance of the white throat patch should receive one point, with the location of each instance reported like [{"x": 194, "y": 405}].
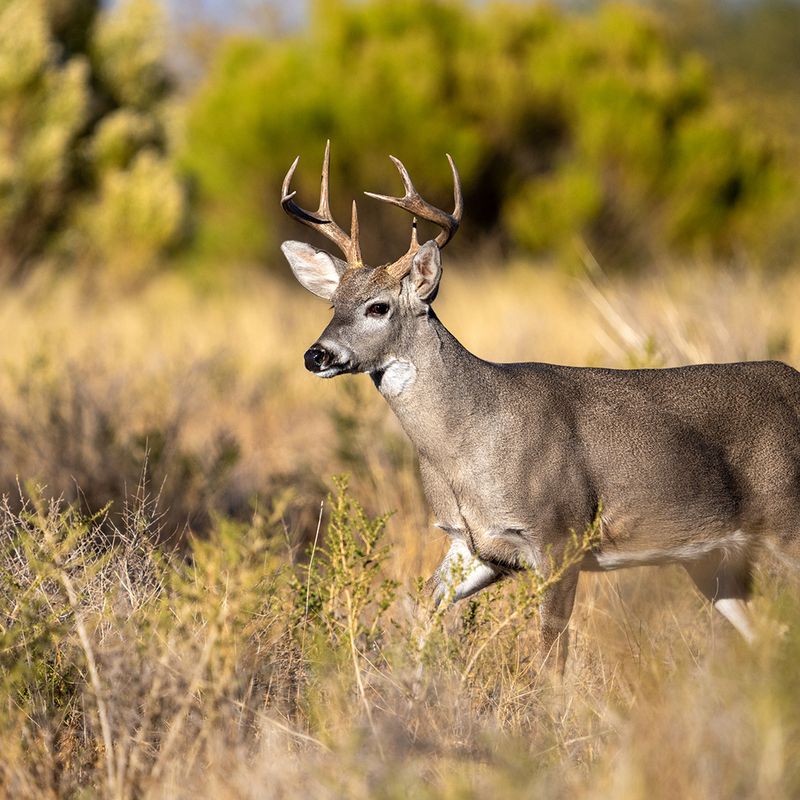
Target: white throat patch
[{"x": 397, "y": 377}]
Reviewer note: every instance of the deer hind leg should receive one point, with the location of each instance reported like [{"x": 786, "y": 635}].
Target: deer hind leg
[
  {"x": 726, "y": 580},
  {"x": 462, "y": 574}
]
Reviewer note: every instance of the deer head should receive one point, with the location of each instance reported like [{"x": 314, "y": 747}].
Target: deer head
[{"x": 375, "y": 309}]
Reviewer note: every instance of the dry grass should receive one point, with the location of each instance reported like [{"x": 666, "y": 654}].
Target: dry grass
[{"x": 230, "y": 669}]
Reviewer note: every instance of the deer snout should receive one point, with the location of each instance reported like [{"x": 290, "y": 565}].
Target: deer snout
[{"x": 317, "y": 358}]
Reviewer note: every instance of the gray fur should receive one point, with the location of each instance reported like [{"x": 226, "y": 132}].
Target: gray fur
[{"x": 695, "y": 465}]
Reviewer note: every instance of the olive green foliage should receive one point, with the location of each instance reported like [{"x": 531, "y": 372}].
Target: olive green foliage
[
  {"x": 564, "y": 126},
  {"x": 757, "y": 42},
  {"x": 84, "y": 134},
  {"x": 754, "y": 50}
]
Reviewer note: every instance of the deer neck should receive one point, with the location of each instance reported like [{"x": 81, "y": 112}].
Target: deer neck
[{"x": 431, "y": 384}]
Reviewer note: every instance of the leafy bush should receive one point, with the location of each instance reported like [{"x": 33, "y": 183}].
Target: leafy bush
[
  {"x": 83, "y": 134},
  {"x": 562, "y": 125},
  {"x": 117, "y": 658},
  {"x": 127, "y": 671}
]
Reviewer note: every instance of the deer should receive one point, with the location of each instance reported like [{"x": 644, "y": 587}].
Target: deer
[{"x": 695, "y": 465}]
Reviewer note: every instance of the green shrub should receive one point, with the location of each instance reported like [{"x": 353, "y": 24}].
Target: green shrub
[
  {"x": 562, "y": 125},
  {"x": 83, "y": 143}
]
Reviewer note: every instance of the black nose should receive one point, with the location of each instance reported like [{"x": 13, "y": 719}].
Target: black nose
[{"x": 316, "y": 358}]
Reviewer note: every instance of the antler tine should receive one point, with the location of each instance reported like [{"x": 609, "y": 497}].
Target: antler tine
[
  {"x": 322, "y": 220},
  {"x": 413, "y": 202},
  {"x": 288, "y": 204},
  {"x": 324, "y": 209},
  {"x": 355, "y": 236},
  {"x": 458, "y": 196}
]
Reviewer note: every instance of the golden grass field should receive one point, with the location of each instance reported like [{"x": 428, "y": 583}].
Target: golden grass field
[{"x": 177, "y": 643}]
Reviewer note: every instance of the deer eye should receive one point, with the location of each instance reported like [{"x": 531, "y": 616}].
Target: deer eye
[{"x": 377, "y": 309}]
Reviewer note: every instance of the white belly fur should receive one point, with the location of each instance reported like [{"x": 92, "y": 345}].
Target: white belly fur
[{"x": 612, "y": 558}]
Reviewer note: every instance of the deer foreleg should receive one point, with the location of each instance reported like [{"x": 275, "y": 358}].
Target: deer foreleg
[
  {"x": 461, "y": 574},
  {"x": 554, "y": 612}
]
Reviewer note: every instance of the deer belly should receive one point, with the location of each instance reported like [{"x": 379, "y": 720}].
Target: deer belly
[{"x": 611, "y": 556}]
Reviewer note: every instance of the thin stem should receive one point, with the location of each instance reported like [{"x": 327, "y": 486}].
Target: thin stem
[
  {"x": 94, "y": 679},
  {"x": 308, "y": 577}
]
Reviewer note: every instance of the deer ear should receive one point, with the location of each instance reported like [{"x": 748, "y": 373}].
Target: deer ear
[
  {"x": 426, "y": 269},
  {"x": 317, "y": 270}
]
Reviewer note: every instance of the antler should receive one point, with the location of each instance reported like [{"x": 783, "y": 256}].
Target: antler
[
  {"x": 413, "y": 203},
  {"x": 321, "y": 220}
]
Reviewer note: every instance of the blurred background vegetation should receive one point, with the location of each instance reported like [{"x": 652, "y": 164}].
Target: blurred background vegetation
[
  {"x": 139, "y": 135},
  {"x": 87, "y": 169}
]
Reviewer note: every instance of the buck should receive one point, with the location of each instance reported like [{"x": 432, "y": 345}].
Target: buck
[{"x": 695, "y": 465}]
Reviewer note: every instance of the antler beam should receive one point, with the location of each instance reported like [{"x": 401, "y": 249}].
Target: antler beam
[
  {"x": 413, "y": 202},
  {"x": 321, "y": 220}
]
